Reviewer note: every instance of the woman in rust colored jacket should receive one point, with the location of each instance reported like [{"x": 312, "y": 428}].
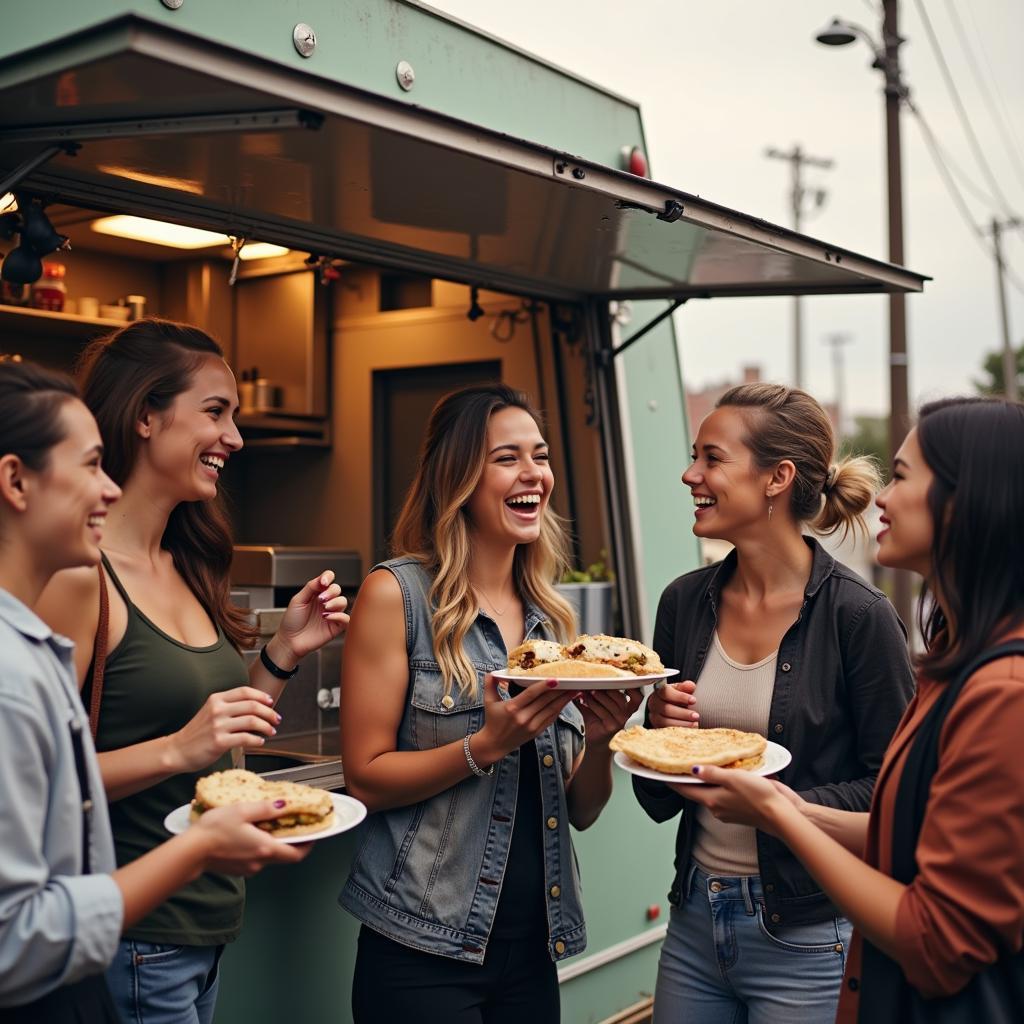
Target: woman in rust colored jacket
[{"x": 933, "y": 877}]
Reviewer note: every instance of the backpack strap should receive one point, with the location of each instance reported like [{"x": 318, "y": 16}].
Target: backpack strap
[
  {"x": 923, "y": 762},
  {"x": 99, "y": 655}
]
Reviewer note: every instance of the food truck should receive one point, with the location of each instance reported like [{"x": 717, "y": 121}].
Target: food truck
[{"x": 390, "y": 204}]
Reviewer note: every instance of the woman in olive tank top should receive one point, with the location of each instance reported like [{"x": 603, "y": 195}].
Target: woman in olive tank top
[{"x": 177, "y": 697}]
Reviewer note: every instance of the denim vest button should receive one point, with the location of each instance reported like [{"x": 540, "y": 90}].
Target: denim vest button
[
  {"x": 447, "y": 701},
  {"x": 552, "y": 823},
  {"x": 556, "y": 891},
  {"x": 776, "y": 918},
  {"x": 715, "y": 886},
  {"x": 548, "y": 760},
  {"x": 838, "y": 947},
  {"x": 778, "y": 727},
  {"x": 559, "y": 947},
  {"x": 786, "y": 666}
]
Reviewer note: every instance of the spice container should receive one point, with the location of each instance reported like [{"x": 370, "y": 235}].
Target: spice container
[{"x": 50, "y": 291}]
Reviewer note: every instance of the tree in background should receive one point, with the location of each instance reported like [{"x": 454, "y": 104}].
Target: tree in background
[
  {"x": 871, "y": 437},
  {"x": 994, "y": 384}
]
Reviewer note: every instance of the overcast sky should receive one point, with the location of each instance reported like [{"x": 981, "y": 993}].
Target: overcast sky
[{"x": 719, "y": 82}]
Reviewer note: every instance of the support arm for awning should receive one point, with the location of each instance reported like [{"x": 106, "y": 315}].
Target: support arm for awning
[
  {"x": 608, "y": 356},
  {"x": 26, "y": 167}
]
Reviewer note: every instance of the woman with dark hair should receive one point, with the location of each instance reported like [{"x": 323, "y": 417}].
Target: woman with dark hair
[
  {"x": 177, "y": 697},
  {"x": 466, "y": 883},
  {"x": 933, "y": 878},
  {"x": 62, "y": 903},
  {"x": 781, "y": 640}
]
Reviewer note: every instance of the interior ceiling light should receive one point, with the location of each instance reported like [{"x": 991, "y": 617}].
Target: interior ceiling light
[
  {"x": 178, "y": 236},
  {"x": 261, "y": 251},
  {"x": 158, "y": 232},
  {"x": 8, "y": 202}
]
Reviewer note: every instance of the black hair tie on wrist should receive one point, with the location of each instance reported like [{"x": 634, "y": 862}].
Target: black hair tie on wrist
[{"x": 275, "y": 670}]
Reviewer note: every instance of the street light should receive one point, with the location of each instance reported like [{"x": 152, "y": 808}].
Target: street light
[{"x": 886, "y": 59}]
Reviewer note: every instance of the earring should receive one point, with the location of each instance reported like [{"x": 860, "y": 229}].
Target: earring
[{"x": 770, "y": 507}]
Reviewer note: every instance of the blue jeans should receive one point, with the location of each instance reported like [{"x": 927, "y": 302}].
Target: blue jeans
[
  {"x": 722, "y": 962},
  {"x": 153, "y": 983}
]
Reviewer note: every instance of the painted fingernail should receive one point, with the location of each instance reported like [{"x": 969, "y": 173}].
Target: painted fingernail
[
  {"x": 273, "y": 731},
  {"x": 696, "y": 769},
  {"x": 279, "y": 803},
  {"x": 277, "y": 717},
  {"x": 552, "y": 683},
  {"x": 325, "y": 615},
  {"x": 324, "y": 596}
]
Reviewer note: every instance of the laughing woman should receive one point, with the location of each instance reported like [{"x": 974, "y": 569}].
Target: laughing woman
[
  {"x": 62, "y": 903},
  {"x": 177, "y": 697},
  {"x": 933, "y": 878},
  {"x": 466, "y": 881},
  {"x": 782, "y": 640}
]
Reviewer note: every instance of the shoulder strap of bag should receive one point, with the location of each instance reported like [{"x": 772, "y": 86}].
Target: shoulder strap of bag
[
  {"x": 923, "y": 762},
  {"x": 99, "y": 655}
]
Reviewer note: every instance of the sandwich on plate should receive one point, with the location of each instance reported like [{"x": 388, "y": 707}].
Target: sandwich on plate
[
  {"x": 535, "y": 652},
  {"x": 676, "y": 749},
  {"x": 306, "y": 809},
  {"x": 618, "y": 651}
]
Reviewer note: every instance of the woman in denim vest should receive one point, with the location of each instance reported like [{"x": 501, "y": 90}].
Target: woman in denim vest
[{"x": 466, "y": 881}]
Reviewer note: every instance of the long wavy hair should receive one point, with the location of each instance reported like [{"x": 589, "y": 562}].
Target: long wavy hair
[
  {"x": 788, "y": 423},
  {"x": 975, "y": 449},
  {"x": 433, "y": 527},
  {"x": 144, "y": 367}
]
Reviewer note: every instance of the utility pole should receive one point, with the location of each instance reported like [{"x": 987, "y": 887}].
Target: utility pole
[
  {"x": 899, "y": 397},
  {"x": 837, "y": 340},
  {"x": 1009, "y": 356},
  {"x": 797, "y": 160}
]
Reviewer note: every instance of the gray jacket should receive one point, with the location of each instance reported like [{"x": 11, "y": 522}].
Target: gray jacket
[
  {"x": 56, "y": 924},
  {"x": 429, "y": 875}
]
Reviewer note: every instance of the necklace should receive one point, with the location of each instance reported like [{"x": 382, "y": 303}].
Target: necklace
[{"x": 494, "y": 608}]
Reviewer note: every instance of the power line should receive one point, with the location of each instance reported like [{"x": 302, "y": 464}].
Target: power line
[
  {"x": 1007, "y": 123},
  {"x": 959, "y": 106},
  {"x": 935, "y": 150}
]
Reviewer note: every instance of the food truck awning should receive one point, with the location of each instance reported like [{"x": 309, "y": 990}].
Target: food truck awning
[{"x": 161, "y": 123}]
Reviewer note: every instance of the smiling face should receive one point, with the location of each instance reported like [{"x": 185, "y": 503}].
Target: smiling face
[
  {"x": 908, "y": 530},
  {"x": 189, "y": 444},
  {"x": 508, "y": 503},
  {"x": 68, "y": 498},
  {"x": 729, "y": 491}
]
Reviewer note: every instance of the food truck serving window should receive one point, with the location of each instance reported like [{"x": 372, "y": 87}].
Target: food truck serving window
[{"x": 178, "y": 128}]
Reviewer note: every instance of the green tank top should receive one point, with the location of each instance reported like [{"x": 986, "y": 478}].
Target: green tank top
[{"x": 152, "y": 686}]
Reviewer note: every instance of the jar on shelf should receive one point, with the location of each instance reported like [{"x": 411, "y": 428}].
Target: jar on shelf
[{"x": 50, "y": 291}]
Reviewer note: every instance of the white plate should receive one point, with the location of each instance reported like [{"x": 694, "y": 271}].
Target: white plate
[
  {"x": 776, "y": 758},
  {"x": 348, "y": 812},
  {"x": 591, "y": 683}
]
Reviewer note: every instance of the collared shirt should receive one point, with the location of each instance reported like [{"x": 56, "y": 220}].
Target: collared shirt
[
  {"x": 842, "y": 681},
  {"x": 56, "y": 924}
]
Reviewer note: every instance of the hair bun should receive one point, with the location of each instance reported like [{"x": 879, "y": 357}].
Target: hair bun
[{"x": 830, "y": 479}]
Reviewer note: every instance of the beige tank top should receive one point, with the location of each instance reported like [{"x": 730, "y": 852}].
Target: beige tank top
[{"x": 730, "y": 696}]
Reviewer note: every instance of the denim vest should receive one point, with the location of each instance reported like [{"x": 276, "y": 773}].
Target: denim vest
[{"x": 429, "y": 875}]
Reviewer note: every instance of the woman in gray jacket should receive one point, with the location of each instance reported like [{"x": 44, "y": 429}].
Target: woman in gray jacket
[{"x": 62, "y": 903}]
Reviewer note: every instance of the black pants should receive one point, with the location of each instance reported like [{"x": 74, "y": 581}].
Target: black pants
[
  {"x": 84, "y": 1002},
  {"x": 516, "y": 983}
]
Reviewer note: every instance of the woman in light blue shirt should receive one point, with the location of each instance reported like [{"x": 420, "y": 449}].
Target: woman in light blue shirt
[{"x": 62, "y": 904}]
